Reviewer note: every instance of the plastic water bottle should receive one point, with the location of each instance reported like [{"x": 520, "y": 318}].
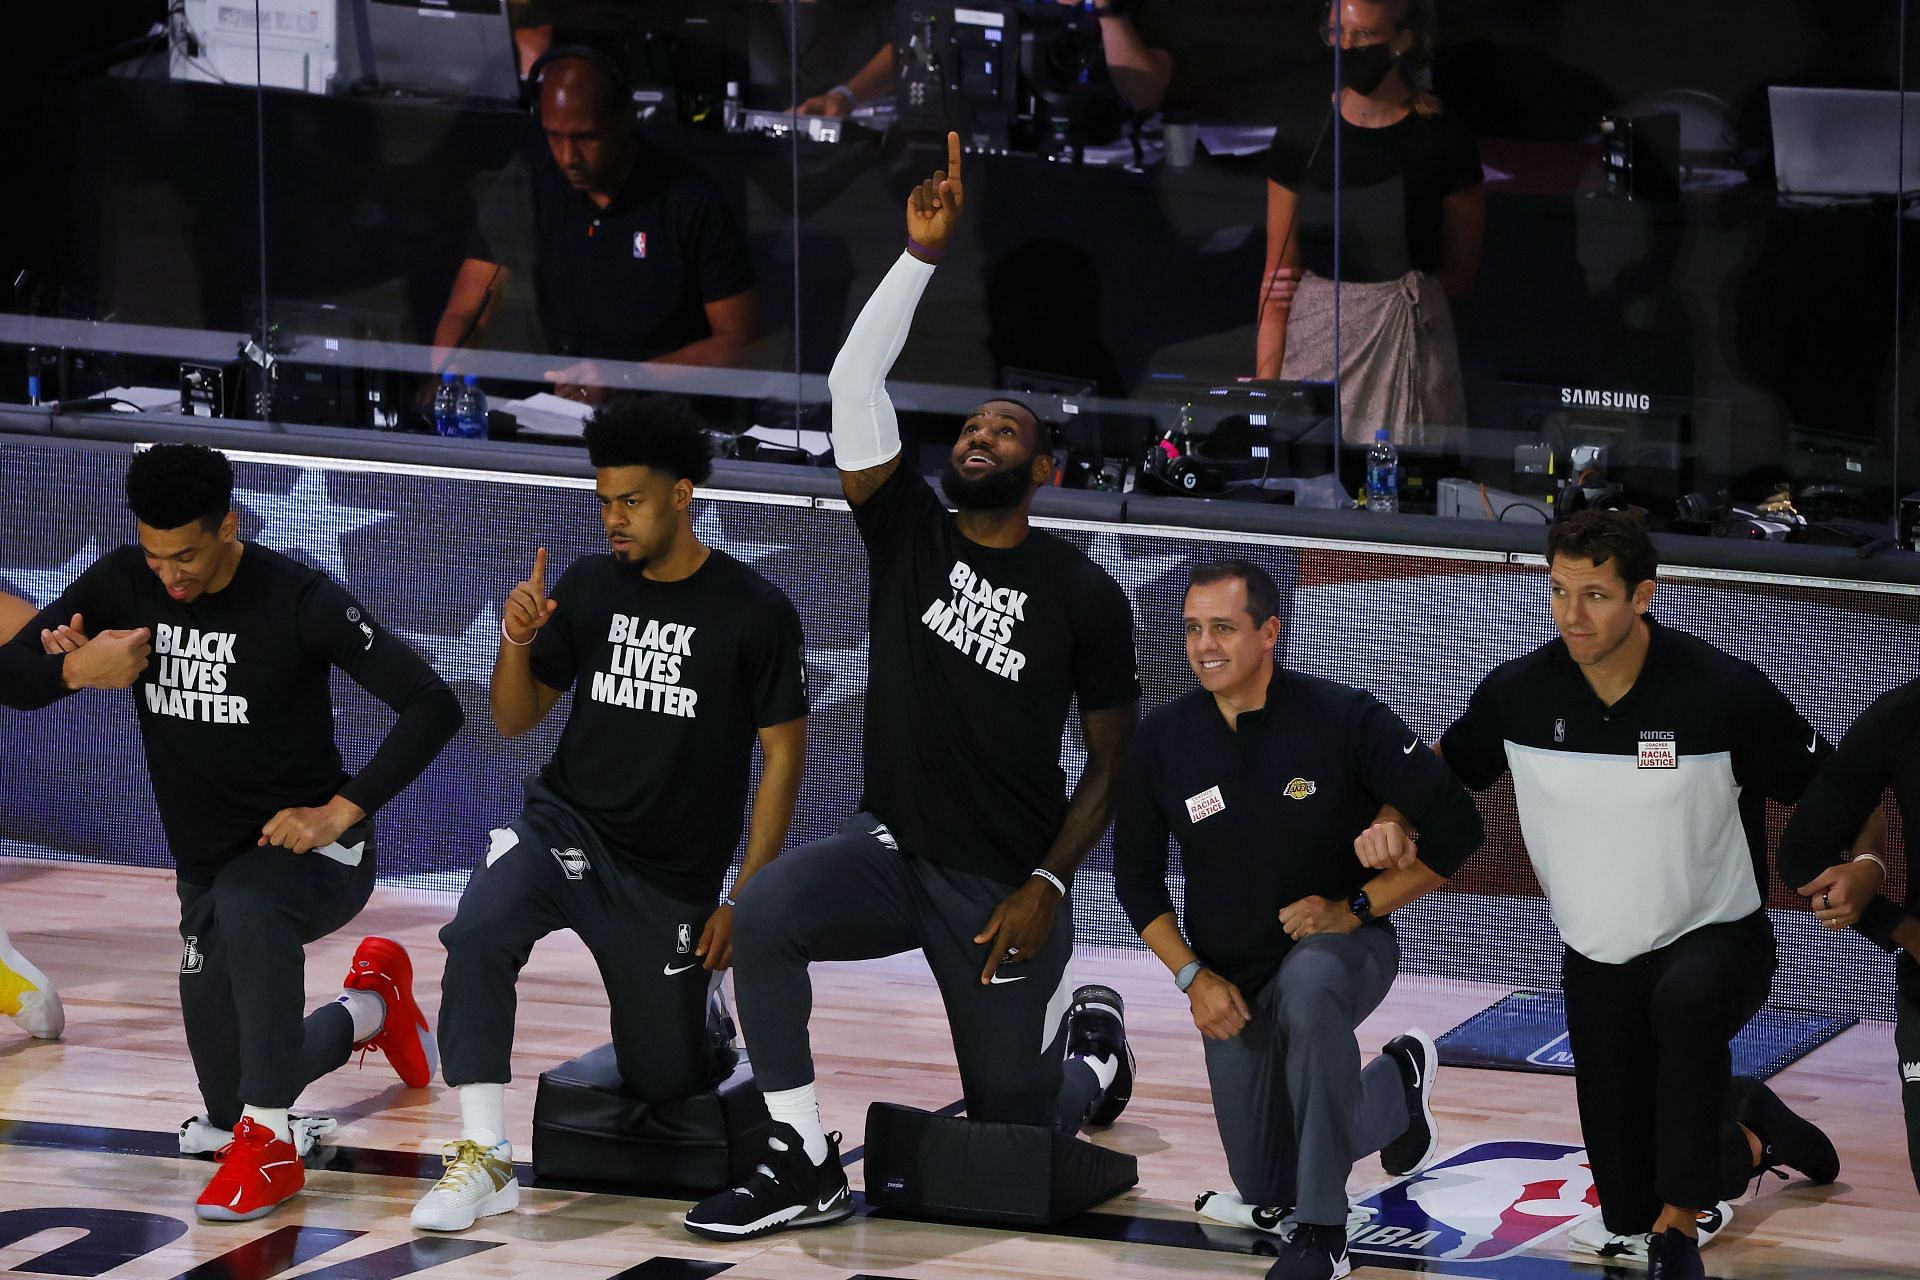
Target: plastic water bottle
[
  {"x": 446, "y": 406},
  {"x": 1383, "y": 474},
  {"x": 471, "y": 410}
]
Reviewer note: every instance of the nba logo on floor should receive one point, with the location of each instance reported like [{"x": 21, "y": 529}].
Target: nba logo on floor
[{"x": 1488, "y": 1201}]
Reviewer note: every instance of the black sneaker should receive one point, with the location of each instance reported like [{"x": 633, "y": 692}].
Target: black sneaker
[
  {"x": 786, "y": 1190},
  {"x": 1785, "y": 1138},
  {"x": 1673, "y": 1255},
  {"x": 1419, "y": 1062},
  {"x": 1312, "y": 1252},
  {"x": 1096, "y": 1028}
]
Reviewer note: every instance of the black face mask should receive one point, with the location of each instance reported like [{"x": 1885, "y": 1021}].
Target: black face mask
[{"x": 1362, "y": 69}]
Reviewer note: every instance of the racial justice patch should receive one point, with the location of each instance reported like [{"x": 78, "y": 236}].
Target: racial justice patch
[
  {"x": 643, "y": 669},
  {"x": 189, "y": 678},
  {"x": 978, "y": 619}
]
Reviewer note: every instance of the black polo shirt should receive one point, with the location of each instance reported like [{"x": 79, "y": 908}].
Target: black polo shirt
[
  {"x": 1881, "y": 750},
  {"x": 1644, "y": 820},
  {"x": 630, "y": 281},
  {"x": 1266, "y": 813}
]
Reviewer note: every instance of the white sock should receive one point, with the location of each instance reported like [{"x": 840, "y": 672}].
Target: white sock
[
  {"x": 368, "y": 1009},
  {"x": 274, "y": 1118},
  {"x": 483, "y": 1113},
  {"x": 1104, "y": 1069},
  {"x": 798, "y": 1108}
]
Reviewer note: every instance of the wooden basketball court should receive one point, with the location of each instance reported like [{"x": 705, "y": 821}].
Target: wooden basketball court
[{"x": 88, "y": 1187}]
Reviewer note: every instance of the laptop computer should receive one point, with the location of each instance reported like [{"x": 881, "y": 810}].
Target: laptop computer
[
  {"x": 456, "y": 49},
  {"x": 1844, "y": 142}
]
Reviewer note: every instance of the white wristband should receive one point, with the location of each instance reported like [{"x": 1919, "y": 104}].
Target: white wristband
[
  {"x": 1051, "y": 879},
  {"x": 1874, "y": 858},
  {"x": 509, "y": 639}
]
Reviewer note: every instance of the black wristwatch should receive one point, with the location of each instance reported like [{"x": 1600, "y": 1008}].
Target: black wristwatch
[{"x": 1362, "y": 906}]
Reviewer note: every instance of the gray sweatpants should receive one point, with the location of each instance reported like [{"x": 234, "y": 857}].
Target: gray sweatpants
[
  {"x": 1294, "y": 1108},
  {"x": 856, "y": 896}
]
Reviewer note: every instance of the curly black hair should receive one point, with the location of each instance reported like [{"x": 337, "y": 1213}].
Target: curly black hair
[
  {"x": 659, "y": 432},
  {"x": 171, "y": 485}
]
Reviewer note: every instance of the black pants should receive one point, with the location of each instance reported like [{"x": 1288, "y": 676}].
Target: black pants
[
  {"x": 1653, "y": 1067},
  {"x": 1906, "y": 1040},
  {"x": 543, "y": 874},
  {"x": 855, "y": 896},
  {"x": 243, "y": 973}
]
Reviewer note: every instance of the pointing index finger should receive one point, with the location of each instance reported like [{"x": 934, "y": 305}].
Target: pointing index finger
[
  {"x": 953, "y": 158},
  {"x": 539, "y": 578}
]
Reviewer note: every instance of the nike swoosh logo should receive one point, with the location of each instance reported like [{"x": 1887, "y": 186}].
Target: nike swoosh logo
[
  {"x": 1416, "y": 1072},
  {"x": 1814, "y": 745},
  {"x": 682, "y": 969},
  {"x": 996, "y": 980},
  {"x": 830, "y": 1201},
  {"x": 1408, "y": 749}
]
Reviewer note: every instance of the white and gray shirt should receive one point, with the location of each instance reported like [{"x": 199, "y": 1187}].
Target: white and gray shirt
[{"x": 1644, "y": 820}]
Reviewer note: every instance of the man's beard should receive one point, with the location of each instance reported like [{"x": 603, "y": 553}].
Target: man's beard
[{"x": 997, "y": 490}]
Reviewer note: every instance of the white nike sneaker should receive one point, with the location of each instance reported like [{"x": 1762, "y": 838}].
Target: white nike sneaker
[
  {"x": 28, "y": 998},
  {"x": 1229, "y": 1208},
  {"x": 478, "y": 1183},
  {"x": 1592, "y": 1236},
  {"x": 199, "y": 1136}
]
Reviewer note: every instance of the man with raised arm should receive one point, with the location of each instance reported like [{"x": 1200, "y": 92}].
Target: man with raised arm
[
  {"x": 984, "y": 632},
  {"x": 681, "y": 657}
]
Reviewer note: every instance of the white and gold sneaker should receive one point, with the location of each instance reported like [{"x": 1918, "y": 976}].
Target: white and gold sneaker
[
  {"x": 478, "y": 1183},
  {"x": 27, "y": 997}
]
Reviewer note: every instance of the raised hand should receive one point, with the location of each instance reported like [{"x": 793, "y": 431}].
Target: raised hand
[
  {"x": 528, "y": 608},
  {"x": 933, "y": 207},
  {"x": 111, "y": 660}
]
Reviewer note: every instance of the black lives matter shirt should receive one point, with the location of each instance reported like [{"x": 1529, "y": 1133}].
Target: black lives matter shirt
[
  {"x": 1644, "y": 820},
  {"x": 1266, "y": 813},
  {"x": 977, "y": 655},
  {"x": 235, "y": 706},
  {"x": 674, "y": 679},
  {"x": 1881, "y": 750}
]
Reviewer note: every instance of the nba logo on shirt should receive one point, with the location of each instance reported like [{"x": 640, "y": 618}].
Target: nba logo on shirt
[
  {"x": 685, "y": 942},
  {"x": 639, "y": 244},
  {"x": 1657, "y": 749},
  {"x": 191, "y": 960},
  {"x": 1559, "y": 730}
]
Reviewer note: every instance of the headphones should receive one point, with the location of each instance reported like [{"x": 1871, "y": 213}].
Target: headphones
[{"x": 598, "y": 59}]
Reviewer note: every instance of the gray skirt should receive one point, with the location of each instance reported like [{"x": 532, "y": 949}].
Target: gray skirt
[{"x": 1399, "y": 358}]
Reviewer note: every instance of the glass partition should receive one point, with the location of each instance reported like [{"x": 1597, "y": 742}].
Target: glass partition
[{"x": 1565, "y": 254}]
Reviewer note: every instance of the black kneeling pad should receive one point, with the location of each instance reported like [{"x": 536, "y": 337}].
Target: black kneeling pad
[
  {"x": 1023, "y": 1175},
  {"x": 588, "y": 1131}
]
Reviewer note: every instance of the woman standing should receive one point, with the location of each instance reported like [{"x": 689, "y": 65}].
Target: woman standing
[{"x": 1411, "y": 224}]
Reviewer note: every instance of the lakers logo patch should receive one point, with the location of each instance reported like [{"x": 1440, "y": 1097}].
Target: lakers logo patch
[
  {"x": 573, "y": 863},
  {"x": 191, "y": 959},
  {"x": 1300, "y": 789}
]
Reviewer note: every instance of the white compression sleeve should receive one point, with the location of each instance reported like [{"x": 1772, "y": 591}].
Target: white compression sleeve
[{"x": 866, "y": 432}]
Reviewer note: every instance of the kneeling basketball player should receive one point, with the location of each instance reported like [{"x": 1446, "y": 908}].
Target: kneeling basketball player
[
  {"x": 228, "y": 646},
  {"x": 680, "y": 657}
]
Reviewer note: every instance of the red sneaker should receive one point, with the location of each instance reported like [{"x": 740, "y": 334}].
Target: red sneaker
[
  {"x": 257, "y": 1172},
  {"x": 382, "y": 967}
]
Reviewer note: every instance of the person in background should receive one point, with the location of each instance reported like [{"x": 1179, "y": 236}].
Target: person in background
[{"x": 1412, "y": 222}]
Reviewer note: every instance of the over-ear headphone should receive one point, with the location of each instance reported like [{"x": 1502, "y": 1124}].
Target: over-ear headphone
[{"x": 598, "y": 59}]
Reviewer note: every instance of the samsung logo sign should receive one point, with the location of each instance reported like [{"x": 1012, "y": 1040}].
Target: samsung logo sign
[{"x": 1580, "y": 398}]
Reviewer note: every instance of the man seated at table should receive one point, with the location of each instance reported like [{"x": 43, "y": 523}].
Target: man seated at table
[{"x": 635, "y": 254}]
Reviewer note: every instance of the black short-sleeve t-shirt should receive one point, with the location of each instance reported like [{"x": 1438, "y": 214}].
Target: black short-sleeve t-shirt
[
  {"x": 977, "y": 655},
  {"x": 630, "y": 281},
  {"x": 674, "y": 680},
  {"x": 1394, "y": 180}
]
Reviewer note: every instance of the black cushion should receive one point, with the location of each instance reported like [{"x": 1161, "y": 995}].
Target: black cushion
[{"x": 930, "y": 1166}]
